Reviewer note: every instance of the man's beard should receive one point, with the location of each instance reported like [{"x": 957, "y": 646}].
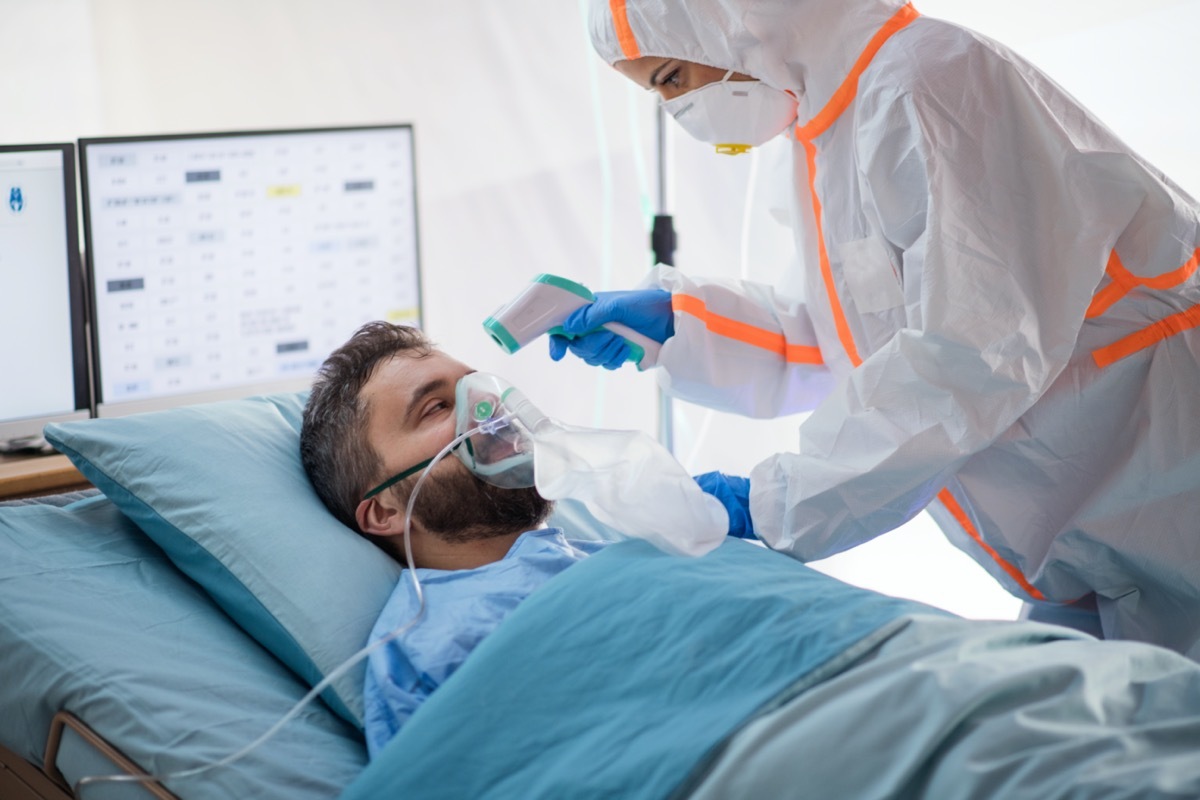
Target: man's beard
[{"x": 458, "y": 507}]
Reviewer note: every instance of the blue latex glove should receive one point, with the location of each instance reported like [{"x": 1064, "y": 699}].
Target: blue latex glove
[
  {"x": 734, "y": 494},
  {"x": 647, "y": 311}
]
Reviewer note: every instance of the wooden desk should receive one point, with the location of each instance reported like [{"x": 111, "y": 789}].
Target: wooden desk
[{"x": 30, "y": 476}]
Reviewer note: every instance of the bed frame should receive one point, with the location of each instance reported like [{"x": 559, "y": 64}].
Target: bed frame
[
  {"x": 25, "y": 477},
  {"x": 21, "y": 780}
]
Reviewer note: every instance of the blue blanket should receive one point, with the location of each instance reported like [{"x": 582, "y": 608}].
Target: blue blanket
[{"x": 624, "y": 675}]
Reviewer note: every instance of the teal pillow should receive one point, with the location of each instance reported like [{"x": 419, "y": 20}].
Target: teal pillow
[{"x": 220, "y": 488}]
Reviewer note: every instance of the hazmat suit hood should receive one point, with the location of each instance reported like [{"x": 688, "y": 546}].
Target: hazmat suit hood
[{"x": 807, "y": 47}]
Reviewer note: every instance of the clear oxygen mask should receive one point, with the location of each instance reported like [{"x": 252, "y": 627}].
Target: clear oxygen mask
[
  {"x": 625, "y": 479},
  {"x": 498, "y": 422}
]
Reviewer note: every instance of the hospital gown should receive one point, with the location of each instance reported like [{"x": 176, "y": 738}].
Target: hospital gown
[{"x": 461, "y": 608}]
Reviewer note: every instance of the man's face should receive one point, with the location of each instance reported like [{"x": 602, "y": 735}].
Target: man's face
[
  {"x": 410, "y": 408},
  {"x": 410, "y": 418}
]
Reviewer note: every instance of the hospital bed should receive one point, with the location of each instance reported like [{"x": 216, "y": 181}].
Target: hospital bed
[
  {"x": 114, "y": 662},
  {"x": 122, "y": 652},
  {"x": 133, "y": 639}
]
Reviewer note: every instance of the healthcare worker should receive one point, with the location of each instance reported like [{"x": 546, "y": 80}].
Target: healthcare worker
[{"x": 999, "y": 305}]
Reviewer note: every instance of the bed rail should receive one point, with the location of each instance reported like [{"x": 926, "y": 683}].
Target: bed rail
[{"x": 65, "y": 719}]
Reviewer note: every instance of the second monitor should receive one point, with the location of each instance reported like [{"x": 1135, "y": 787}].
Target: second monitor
[
  {"x": 233, "y": 263},
  {"x": 43, "y": 356}
]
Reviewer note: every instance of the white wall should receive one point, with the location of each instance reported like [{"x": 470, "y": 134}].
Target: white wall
[
  {"x": 513, "y": 176},
  {"x": 533, "y": 156}
]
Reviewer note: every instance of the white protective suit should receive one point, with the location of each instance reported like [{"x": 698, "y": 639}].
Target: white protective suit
[{"x": 999, "y": 317}]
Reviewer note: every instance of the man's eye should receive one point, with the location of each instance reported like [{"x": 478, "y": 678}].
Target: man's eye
[
  {"x": 436, "y": 407},
  {"x": 672, "y": 79}
]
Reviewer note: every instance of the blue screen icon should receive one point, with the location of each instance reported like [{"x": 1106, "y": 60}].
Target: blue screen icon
[{"x": 16, "y": 200}]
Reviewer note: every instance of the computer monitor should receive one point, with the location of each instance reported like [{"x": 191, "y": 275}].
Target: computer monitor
[
  {"x": 228, "y": 264},
  {"x": 43, "y": 350}
]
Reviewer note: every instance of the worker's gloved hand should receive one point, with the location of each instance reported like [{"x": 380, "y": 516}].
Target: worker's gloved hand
[
  {"x": 734, "y": 494},
  {"x": 600, "y": 349},
  {"x": 647, "y": 311}
]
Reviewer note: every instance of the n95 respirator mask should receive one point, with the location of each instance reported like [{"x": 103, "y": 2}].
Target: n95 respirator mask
[{"x": 733, "y": 115}]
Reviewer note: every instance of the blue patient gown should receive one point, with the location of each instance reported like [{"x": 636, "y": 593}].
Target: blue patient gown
[{"x": 461, "y": 608}]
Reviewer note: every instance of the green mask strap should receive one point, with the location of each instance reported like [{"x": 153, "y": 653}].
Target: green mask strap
[{"x": 392, "y": 481}]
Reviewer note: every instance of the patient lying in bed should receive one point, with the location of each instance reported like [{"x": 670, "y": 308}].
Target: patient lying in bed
[{"x": 385, "y": 402}]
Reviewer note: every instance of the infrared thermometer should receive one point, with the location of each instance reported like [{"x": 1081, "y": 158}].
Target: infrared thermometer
[{"x": 541, "y": 308}]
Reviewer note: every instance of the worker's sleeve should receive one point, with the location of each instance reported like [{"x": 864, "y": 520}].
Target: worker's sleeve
[
  {"x": 740, "y": 347},
  {"x": 1004, "y": 225}
]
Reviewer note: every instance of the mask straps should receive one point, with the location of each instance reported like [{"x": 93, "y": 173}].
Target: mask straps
[{"x": 392, "y": 481}]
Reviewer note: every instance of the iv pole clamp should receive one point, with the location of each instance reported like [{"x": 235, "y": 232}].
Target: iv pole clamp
[{"x": 662, "y": 239}]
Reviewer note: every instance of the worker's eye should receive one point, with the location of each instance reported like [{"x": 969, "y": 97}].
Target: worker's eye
[{"x": 670, "y": 79}]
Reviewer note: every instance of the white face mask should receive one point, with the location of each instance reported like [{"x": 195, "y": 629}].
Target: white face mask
[{"x": 733, "y": 115}]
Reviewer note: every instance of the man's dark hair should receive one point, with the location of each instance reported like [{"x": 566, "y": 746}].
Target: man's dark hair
[{"x": 334, "y": 446}]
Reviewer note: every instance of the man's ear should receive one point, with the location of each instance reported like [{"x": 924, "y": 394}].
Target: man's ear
[{"x": 378, "y": 518}]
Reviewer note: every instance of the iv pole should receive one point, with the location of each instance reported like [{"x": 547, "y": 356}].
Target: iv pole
[{"x": 662, "y": 242}]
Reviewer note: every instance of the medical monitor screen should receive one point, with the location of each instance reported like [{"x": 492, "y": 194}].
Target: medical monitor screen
[
  {"x": 224, "y": 265},
  {"x": 43, "y": 355}
]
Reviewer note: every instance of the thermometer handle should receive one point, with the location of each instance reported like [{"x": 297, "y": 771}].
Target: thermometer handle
[{"x": 639, "y": 341}]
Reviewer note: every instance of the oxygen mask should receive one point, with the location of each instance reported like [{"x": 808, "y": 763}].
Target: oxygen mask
[
  {"x": 498, "y": 423},
  {"x": 624, "y": 478}
]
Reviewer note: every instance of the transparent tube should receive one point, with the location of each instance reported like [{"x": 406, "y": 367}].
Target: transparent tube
[{"x": 489, "y": 427}]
